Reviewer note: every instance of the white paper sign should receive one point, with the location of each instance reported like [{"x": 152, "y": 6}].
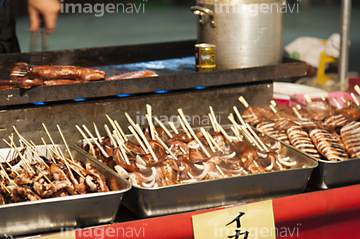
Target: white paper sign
[{"x": 248, "y": 221}]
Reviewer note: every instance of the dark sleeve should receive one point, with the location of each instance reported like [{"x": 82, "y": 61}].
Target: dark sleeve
[
  {"x": 8, "y": 39},
  {"x": 4, "y": 3}
]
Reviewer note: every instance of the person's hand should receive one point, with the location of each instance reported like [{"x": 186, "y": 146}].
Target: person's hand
[{"x": 49, "y": 9}]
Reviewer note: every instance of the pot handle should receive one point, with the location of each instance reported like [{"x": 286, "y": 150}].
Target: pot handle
[{"x": 201, "y": 11}]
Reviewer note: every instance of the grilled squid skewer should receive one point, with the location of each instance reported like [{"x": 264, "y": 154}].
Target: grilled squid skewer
[
  {"x": 301, "y": 140},
  {"x": 328, "y": 145},
  {"x": 268, "y": 128},
  {"x": 350, "y": 135}
]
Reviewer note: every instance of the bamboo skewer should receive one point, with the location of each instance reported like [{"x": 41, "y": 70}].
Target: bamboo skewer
[
  {"x": 132, "y": 130},
  {"x": 28, "y": 163},
  {"x": 122, "y": 146},
  {"x": 164, "y": 128},
  {"x": 273, "y": 109},
  {"x": 21, "y": 143},
  {"x": 243, "y": 101},
  {"x": 257, "y": 138},
  {"x": 47, "y": 132},
  {"x": 214, "y": 143},
  {"x": 193, "y": 133},
  {"x": 157, "y": 138},
  {"x": 34, "y": 145},
  {"x": 273, "y": 103},
  {"x": 68, "y": 167},
  {"x": 112, "y": 140},
  {"x": 91, "y": 147},
  {"x": 20, "y": 136},
  {"x": 172, "y": 126},
  {"x": 47, "y": 148},
  {"x": 244, "y": 128},
  {"x": 32, "y": 158},
  {"x": 8, "y": 155},
  {"x": 151, "y": 128},
  {"x": 151, "y": 123},
  {"x": 8, "y": 164},
  {"x": 184, "y": 128},
  {"x": 214, "y": 119},
  {"x": 223, "y": 132},
  {"x": 66, "y": 145},
  {"x": 20, "y": 155},
  {"x": 337, "y": 103},
  {"x": 117, "y": 137},
  {"x": 142, "y": 135},
  {"x": 248, "y": 131},
  {"x": 114, "y": 126},
  {"x": 122, "y": 150},
  {"x": 236, "y": 133},
  {"x": 298, "y": 107},
  {"x": 4, "y": 186},
  {"x": 121, "y": 131},
  {"x": 296, "y": 112},
  {"x": 97, "y": 144},
  {"x": 355, "y": 99},
  {"x": 212, "y": 122},
  {"x": 132, "y": 123},
  {"x": 97, "y": 133},
  {"x": 33, "y": 148},
  {"x": 343, "y": 100},
  {"x": 182, "y": 150},
  {"x": 307, "y": 98},
  {"x": 207, "y": 139},
  {"x": 7, "y": 176},
  {"x": 240, "y": 127},
  {"x": 47, "y": 179},
  {"x": 239, "y": 115},
  {"x": 357, "y": 89}
]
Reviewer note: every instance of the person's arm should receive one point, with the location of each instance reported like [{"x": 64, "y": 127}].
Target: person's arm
[{"x": 49, "y": 9}]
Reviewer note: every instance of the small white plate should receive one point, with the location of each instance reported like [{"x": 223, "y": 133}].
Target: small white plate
[{"x": 284, "y": 90}]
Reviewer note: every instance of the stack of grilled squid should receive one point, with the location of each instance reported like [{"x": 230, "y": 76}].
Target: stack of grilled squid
[
  {"x": 155, "y": 157},
  {"x": 318, "y": 129}
]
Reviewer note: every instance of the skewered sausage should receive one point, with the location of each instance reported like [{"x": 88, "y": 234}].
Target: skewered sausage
[
  {"x": 132, "y": 75},
  {"x": 25, "y": 76}
]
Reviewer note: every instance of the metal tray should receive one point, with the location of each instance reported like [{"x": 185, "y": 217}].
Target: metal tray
[
  {"x": 65, "y": 212},
  {"x": 330, "y": 174},
  {"x": 220, "y": 192}
]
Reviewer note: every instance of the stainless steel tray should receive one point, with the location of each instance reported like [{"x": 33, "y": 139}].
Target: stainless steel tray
[
  {"x": 222, "y": 192},
  {"x": 61, "y": 213},
  {"x": 330, "y": 174}
]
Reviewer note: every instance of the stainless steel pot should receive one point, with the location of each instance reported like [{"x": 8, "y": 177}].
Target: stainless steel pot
[{"x": 246, "y": 33}]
